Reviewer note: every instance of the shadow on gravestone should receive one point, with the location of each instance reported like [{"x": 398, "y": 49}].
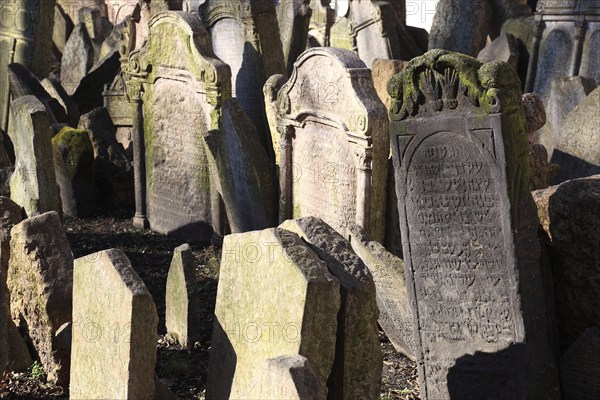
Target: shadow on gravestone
[
  {"x": 89, "y": 92},
  {"x": 469, "y": 377},
  {"x": 226, "y": 364}
]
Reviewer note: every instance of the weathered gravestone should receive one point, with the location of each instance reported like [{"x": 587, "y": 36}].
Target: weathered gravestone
[
  {"x": 74, "y": 169},
  {"x": 33, "y": 184},
  {"x": 77, "y": 59},
  {"x": 177, "y": 86},
  {"x": 395, "y": 313},
  {"x": 356, "y": 372},
  {"x": 285, "y": 378},
  {"x": 243, "y": 173},
  {"x": 114, "y": 330},
  {"x": 25, "y": 38},
  {"x": 504, "y": 48},
  {"x": 469, "y": 230},
  {"x": 333, "y": 142},
  {"x": 63, "y": 26},
  {"x": 580, "y": 367},
  {"x": 40, "y": 279},
  {"x": 293, "y": 17},
  {"x": 245, "y": 35},
  {"x": 14, "y": 355},
  {"x": 322, "y": 19},
  {"x": 275, "y": 297},
  {"x": 182, "y": 315}
]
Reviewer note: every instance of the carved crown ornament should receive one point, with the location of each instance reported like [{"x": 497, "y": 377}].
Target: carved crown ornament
[{"x": 444, "y": 81}]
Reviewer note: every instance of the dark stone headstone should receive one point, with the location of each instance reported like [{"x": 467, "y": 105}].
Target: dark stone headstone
[
  {"x": 469, "y": 230},
  {"x": 580, "y": 367}
]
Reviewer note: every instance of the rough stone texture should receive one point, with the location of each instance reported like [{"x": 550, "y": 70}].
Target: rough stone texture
[
  {"x": 77, "y": 59},
  {"x": 356, "y": 372},
  {"x": 63, "y": 26},
  {"x": 504, "y": 48},
  {"x": 382, "y": 71},
  {"x": 25, "y": 38},
  {"x": 535, "y": 114},
  {"x": 244, "y": 174},
  {"x": 245, "y": 35},
  {"x": 565, "y": 95},
  {"x": 24, "y": 83},
  {"x": 74, "y": 168},
  {"x": 334, "y": 142},
  {"x": 275, "y": 297},
  {"x": 395, "y": 317},
  {"x": 293, "y": 17},
  {"x": 40, "y": 278},
  {"x": 542, "y": 172},
  {"x": 119, "y": 109},
  {"x": 578, "y": 149},
  {"x": 322, "y": 18},
  {"x": 177, "y": 115},
  {"x": 469, "y": 229},
  {"x": 580, "y": 367},
  {"x": 14, "y": 355},
  {"x": 114, "y": 330},
  {"x": 285, "y": 378},
  {"x": 58, "y": 93},
  {"x": 270, "y": 91},
  {"x": 113, "y": 171},
  {"x": 182, "y": 315},
  {"x": 118, "y": 10},
  {"x": 33, "y": 184},
  {"x": 374, "y": 29},
  {"x": 570, "y": 214},
  {"x": 393, "y": 236}
]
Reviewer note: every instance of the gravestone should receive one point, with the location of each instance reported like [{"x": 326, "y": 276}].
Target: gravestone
[
  {"x": 114, "y": 330},
  {"x": 77, "y": 59},
  {"x": 14, "y": 355},
  {"x": 356, "y": 372},
  {"x": 25, "y": 38},
  {"x": 243, "y": 173},
  {"x": 74, "y": 169},
  {"x": 382, "y": 71},
  {"x": 119, "y": 109},
  {"x": 275, "y": 297},
  {"x": 63, "y": 26},
  {"x": 504, "y": 48},
  {"x": 395, "y": 313},
  {"x": 182, "y": 315},
  {"x": 469, "y": 230},
  {"x": 580, "y": 367},
  {"x": 245, "y": 35},
  {"x": 183, "y": 86},
  {"x": 40, "y": 279},
  {"x": 286, "y": 377},
  {"x": 119, "y": 10},
  {"x": 322, "y": 19},
  {"x": 333, "y": 142},
  {"x": 58, "y": 93},
  {"x": 293, "y": 17},
  {"x": 577, "y": 150},
  {"x": 271, "y": 90},
  {"x": 33, "y": 184}
]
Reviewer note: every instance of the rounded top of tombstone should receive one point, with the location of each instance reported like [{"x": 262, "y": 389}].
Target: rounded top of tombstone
[
  {"x": 189, "y": 22},
  {"x": 590, "y": 7},
  {"x": 346, "y": 58}
]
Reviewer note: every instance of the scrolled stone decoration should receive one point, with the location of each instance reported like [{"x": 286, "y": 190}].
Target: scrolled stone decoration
[
  {"x": 469, "y": 227},
  {"x": 333, "y": 142},
  {"x": 176, "y": 85}
]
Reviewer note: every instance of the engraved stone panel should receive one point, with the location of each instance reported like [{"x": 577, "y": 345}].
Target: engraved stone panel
[
  {"x": 469, "y": 230},
  {"x": 333, "y": 146}
]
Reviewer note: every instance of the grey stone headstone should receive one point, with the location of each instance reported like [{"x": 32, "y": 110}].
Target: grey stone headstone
[
  {"x": 469, "y": 230},
  {"x": 293, "y": 17},
  {"x": 504, "y": 48},
  {"x": 114, "y": 330},
  {"x": 77, "y": 59},
  {"x": 63, "y": 26},
  {"x": 40, "y": 279},
  {"x": 333, "y": 142}
]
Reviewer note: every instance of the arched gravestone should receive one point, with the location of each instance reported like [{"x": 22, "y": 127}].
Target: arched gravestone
[
  {"x": 334, "y": 142},
  {"x": 177, "y": 86},
  {"x": 245, "y": 35},
  {"x": 555, "y": 58},
  {"x": 469, "y": 230}
]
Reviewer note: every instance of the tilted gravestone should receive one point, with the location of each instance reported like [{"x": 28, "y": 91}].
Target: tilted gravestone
[
  {"x": 356, "y": 372},
  {"x": 40, "y": 279},
  {"x": 33, "y": 184},
  {"x": 275, "y": 297},
  {"x": 333, "y": 135},
  {"x": 177, "y": 86},
  {"x": 469, "y": 230},
  {"x": 182, "y": 313},
  {"x": 245, "y": 35},
  {"x": 293, "y": 17},
  {"x": 25, "y": 38},
  {"x": 114, "y": 330}
]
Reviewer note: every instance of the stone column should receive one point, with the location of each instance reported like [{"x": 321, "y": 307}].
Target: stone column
[
  {"x": 286, "y": 175},
  {"x": 578, "y": 47},
  {"x": 363, "y": 187},
  {"x": 140, "y": 219},
  {"x": 538, "y": 29}
]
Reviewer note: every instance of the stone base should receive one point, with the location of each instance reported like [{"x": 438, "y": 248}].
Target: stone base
[{"x": 141, "y": 222}]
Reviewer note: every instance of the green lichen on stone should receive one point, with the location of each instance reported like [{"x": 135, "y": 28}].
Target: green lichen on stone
[{"x": 73, "y": 145}]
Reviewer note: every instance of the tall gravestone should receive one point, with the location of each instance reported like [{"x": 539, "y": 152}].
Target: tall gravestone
[
  {"x": 25, "y": 38},
  {"x": 333, "y": 135},
  {"x": 245, "y": 35},
  {"x": 293, "y": 17},
  {"x": 469, "y": 230},
  {"x": 114, "y": 330},
  {"x": 176, "y": 85}
]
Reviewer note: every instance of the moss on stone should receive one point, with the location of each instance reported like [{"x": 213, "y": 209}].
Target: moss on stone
[{"x": 77, "y": 143}]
